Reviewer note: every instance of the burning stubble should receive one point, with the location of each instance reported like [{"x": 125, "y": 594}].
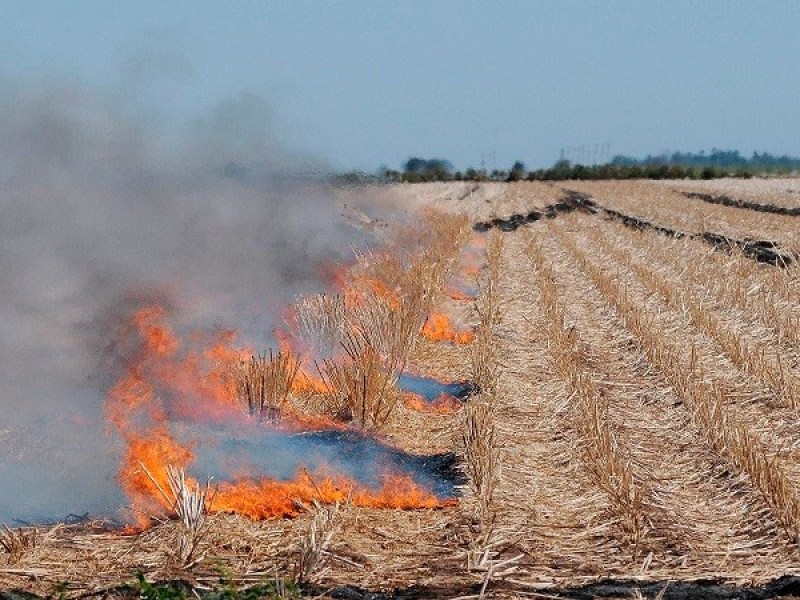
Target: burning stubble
[{"x": 102, "y": 214}]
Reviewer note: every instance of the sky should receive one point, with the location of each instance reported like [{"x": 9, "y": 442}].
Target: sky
[{"x": 358, "y": 84}]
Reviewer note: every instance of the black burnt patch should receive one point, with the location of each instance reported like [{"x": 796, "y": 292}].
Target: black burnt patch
[{"x": 745, "y": 204}]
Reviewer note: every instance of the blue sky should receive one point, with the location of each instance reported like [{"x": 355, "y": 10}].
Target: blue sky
[{"x": 363, "y": 83}]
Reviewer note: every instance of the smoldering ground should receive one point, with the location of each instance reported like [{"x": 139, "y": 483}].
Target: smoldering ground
[{"x": 101, "y": 209}]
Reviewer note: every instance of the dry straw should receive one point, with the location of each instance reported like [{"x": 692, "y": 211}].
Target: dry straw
[
  {"x": 314, "y": 543},
  {"x": 321, "y": 318},
  {"x": 376, "y": 324},
  {"x": 361, "y": 389},
  {"x": 760, "y": 359},
  {"x": 602, "y": 454},
  {"x": 765, "y": 294},
  {"x": 478, "y": 439},
  {"x": 483, "y": 350},
  {"x": 481, "y": 453},
  {"x": 704, "y": 396},
  {"x": 264, "y": 382},
  {"x": 16, "y": 542},
  {"x": 191, "y": 504}
]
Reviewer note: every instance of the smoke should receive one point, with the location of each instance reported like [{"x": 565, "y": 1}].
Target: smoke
[{"x": 102, "y": 209}]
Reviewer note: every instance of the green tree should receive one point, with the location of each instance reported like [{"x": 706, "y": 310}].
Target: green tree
[{"x": 517, "y": 172}]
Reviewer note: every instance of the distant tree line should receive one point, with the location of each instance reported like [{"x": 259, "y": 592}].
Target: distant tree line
[
  {"x": 564, "y": 170},
  {"x": 725, "y": 159},
  {"x": 678, "y": 165},
  {"x": 416, "y": 170}
]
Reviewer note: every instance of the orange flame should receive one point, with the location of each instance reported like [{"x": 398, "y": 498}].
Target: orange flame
[
  {"x": 443, "y": 405},
  {"x": 458, "y": 295},
  {"x": 357, "y": 286},
  {"x": 269, "y": 499},
  {"x": 438, "y": 327}
]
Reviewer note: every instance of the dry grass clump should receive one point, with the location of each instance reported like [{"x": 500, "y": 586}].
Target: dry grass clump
[
  {"x": 315, "y": 542},
  {"x": 16, "y": 542},
  {"x": 264, "y": 382},
  {"x": 483, "y": 351},
  {"x": 389, "y": 293},
  {"x": 369, "y": 330},
  {"x": 392, "y": 329},
  {"x": 362, "y": 388},
  {"x": 703, "y": 395},
  {"x": 435, "y": 237},
  {"x": 421, "y": 255},
  {"x": 191, "y": 504},
  {"x": 322, "y": 319},
  {"x": 481, "y": 452},
  {"x": 369, "y": 336}
]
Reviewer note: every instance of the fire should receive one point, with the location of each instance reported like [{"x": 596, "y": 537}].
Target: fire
[
  {"x": 438, "y": 327},
  {"x": 143, "y": 470},
  {"x": 379, "y": 288},
  {"x": 269, "y": 499},
  {"x": 456, "y": 294},
  {"x": 443, "y": 405},
  {"x": 305, "y": 382},
  {"x": 170, "y": 381}
]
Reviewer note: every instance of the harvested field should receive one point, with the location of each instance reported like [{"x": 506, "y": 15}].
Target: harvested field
[{"x": 630, "y": 425}]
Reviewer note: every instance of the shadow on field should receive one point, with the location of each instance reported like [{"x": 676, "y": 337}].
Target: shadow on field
[{"x": 783, "y": 587}]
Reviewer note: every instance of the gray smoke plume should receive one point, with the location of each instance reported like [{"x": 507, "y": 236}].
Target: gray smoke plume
[{"x": 101, "y": 209}]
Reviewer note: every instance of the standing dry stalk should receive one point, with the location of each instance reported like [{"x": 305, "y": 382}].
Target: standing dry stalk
[
  {"x": 321, "y": 318},
  {"x": 478, "y": 438},
  {"x": 481, "y": 453},
  {"x": 494, "y": 251},
  {"x": 191, "y": 504},
  {"x": 17, "y": 541},
  {"x": 391, "y": 329},
  {"x": 484, "y": 347},
  {"x": 377, "y": 326},
  {"x": 315, "y": 542},
  {"x": 482, "y": 465},
  {"x": 484, "y": 359},
  {"x": 362, "y": 389},
  {"x": 264, "y": 383}
]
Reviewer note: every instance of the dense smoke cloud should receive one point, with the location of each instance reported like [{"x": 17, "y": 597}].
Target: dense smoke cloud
[{"x": 101, "y": 209}]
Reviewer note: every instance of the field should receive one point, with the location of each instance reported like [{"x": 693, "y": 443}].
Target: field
[{"x": 635, "y": 354}]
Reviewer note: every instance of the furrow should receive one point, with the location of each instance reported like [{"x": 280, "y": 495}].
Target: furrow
[{"x": 706, "y": 396}]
